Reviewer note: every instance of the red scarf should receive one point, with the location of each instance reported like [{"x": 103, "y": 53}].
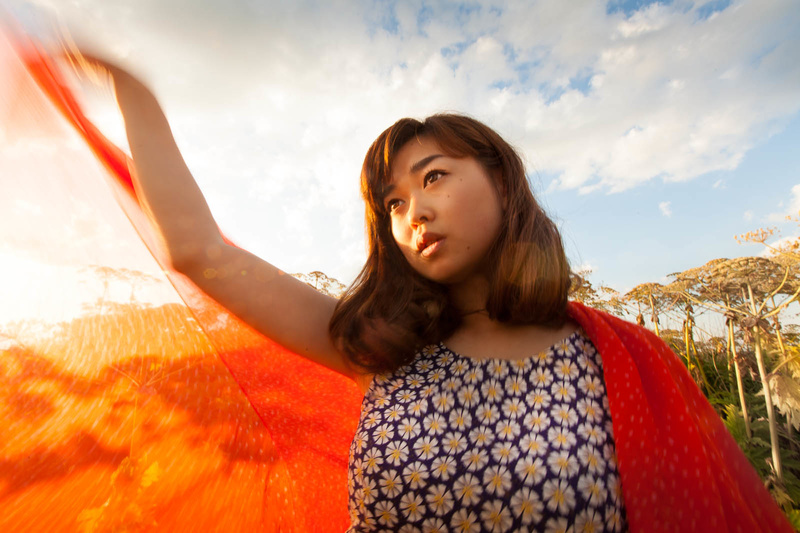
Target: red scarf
[{"x": 245, "y": 435}]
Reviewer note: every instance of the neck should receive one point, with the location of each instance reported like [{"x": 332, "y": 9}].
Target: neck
[{"x": 469, "y": 296}]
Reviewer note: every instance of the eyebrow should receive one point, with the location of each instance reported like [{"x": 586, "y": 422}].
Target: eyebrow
[{"x": 419, "y": 165}]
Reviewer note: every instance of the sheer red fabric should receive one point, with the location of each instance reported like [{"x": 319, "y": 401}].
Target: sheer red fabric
[{"x": 131, "y": 401}]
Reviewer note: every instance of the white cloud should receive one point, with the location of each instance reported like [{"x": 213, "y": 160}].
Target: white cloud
[
  {"x": 788, "y": 207},
  {"x": 665, "y": 209},
  {"x": 274, "y": 105},
  {"x": 719, "y": 184},
  {"x": 748, "y": 215}
]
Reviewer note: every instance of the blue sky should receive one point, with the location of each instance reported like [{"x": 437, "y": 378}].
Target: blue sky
[{"x": 654, "y": 132}]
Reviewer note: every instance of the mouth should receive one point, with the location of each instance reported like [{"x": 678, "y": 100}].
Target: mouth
[{"x": 428, "y": 244}]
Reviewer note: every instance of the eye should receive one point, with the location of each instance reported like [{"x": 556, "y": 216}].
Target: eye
[
  {"x": 393, "y": 204},
  {"x": 432, "y": 177}
]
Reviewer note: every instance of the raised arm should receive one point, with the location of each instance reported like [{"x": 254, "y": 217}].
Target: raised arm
[{"x": 274, "y": 303}]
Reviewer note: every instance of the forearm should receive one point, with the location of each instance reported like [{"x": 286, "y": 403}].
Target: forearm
[{"x": 162, "y": 181}]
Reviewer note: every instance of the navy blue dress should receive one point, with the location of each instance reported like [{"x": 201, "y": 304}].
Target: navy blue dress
[{"x": 450, "y": 443}]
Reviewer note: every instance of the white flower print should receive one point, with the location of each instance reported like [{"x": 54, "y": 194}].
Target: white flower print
[
  {"x": 503, "y": 452},
  {"x": 566, "y": 370},
  {"x": 454, "y": 443},
  {"x": 412, "y": 507},
  {"x": 434, "y": 423},
  {"x": 538, "y": 399},
  {"x": 562, "y": 464},
  {"x": 614, "y": 520},
  {"x": 395, "y": 413},
  {"x": 358, "y": 442},
  {"x": 372, "y": 420},
  {"x": 385, "y": 513},
  {"x": 427, "y": 391},
  {"x": 563, "y": 391},
  {"x": 426, "y": 447},
  {"x": 358, "y": 470},
  {"x": 391, "y": 483},
  {"x": 487, "y": 414},
  {"x": 474, "y": 375},
  {"x": 531, "y": 470},
  {"x": 590, "y": 410},
  {"x": 430, "y": 350},
  {"x": 406, "y": 396},
  {"x": 521, "y": 365},
  {"x": 559, "y": 495},
  {"x": 591, "y": 459},
  {"x": 458, "y": 367},
  {"x": 439, "y": 500},
  {"x": 409, "y": 528},
  {"x": 558, "y": 525},
  {"x": 565, "y": 415},
  {"x": 610, "y": 455},
  {"x": 397, "y": 453},
  {"x": 415, "y": 475},
  {"x": 497, "y": 480},
  {"x": 423, "y": 366},
  {"x": 564, "y": 348},
  {"x": 468, "y": 490},
  {"x": 443, "y": 401},
  {"x": 414, "y": 380},
  {"x": 437, "y": 374},
  {"x": 491, "y": 389},
  {"x": 498, "y": 368},
  {"x": 588, "y": 521},
  {"x": 516, "y": 385},
  {"x": 591, "y": 433},
  {"x": 481, "y": 436},
  {"x": 444, "y": 358},
  {"x": 508, "y": 429},
  {"x": 513, "y": 407},
  {"x": 372, "y": 460},
  {"x": 468, "y": 396},
  {"x": 451, "y": 384},
  {"x": 536, "y": 421},
  {"x": 433, "y": 525},
  {"x": 545, "y": 357},
  {"x": 369, "y": 491},
  {"x": 560, "y": 437},
  {"x": 409, "y": 428},
  {"x": 416, "y": 408},
  {"x": 591, "y": 386},
  {"x": 383, "y": 434},
  {"x": 444, "y": 467},
  {"x": 495, "y": 517},
  {"x": 614, "y": 487},
  {"x": 465, "y": 521},
  {"x": 476, "y": 460},
  {"x": 592, "y": 489},
  {"x": 460, "y": 418},
  {"x": 534, "y": 444},
  {"x": 542, "y": 377},
  {"x": 526, "y": 505}
]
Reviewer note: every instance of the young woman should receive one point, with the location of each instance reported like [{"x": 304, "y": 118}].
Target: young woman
[{"x": 487, "y": 405}]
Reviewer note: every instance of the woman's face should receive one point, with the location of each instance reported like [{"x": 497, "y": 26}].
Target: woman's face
[{"x": 445, "y": 212}]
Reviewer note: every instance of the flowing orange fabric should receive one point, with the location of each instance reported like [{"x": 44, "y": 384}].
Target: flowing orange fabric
[{"x": 131, "y": 401}]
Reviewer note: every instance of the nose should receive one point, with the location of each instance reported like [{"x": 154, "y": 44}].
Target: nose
[{"x": 420, "y": 210}]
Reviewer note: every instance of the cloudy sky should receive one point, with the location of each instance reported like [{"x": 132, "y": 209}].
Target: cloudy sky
[{"x": 653, "y": 132}]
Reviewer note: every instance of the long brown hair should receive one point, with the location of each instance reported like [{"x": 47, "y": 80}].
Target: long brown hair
[{"x": 390, "y": 311}]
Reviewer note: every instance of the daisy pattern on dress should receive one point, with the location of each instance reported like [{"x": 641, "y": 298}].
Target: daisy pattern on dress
[{"x": 450, "y": 443}]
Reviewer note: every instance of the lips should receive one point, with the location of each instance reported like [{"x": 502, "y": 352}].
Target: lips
[{"x": 427, "y": 243}]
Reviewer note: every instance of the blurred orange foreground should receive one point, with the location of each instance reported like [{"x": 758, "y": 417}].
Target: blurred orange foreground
[{"x": 128, "y": 400}]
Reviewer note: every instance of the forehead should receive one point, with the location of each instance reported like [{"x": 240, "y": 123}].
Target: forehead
[{"x": 413, "y": 156}]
